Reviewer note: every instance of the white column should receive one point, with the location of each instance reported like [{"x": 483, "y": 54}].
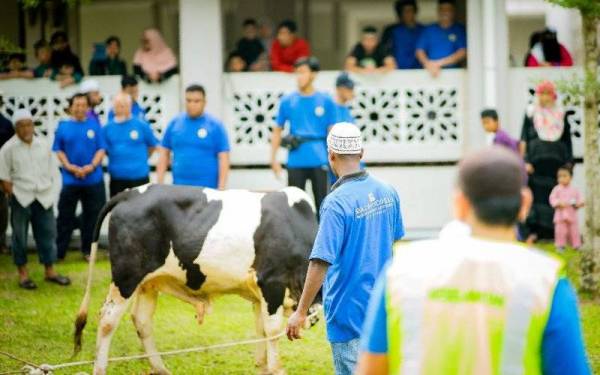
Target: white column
[
  {"x": 201, "y": 49},
  {"x": 473, "y": 133}
]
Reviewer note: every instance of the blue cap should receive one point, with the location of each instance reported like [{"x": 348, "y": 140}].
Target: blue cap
[{"x": 344, "y": 80}]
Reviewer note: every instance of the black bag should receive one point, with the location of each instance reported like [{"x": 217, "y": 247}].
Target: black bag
[{"x": 291, "y": 142}]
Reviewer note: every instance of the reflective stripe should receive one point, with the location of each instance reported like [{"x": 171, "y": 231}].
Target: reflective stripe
[
  {"x": 518, "y": 319},
  {"x": 412, "y": 343}
]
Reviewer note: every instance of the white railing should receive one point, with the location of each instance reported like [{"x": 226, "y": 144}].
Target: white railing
[
  {"x": 404, "y": 115},
  {"x": 48, "y": 102}
]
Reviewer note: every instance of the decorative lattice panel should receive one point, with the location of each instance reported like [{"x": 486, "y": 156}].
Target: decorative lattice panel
[
  {"x": 377, "y": 114},
  {"x": 432, "y": 115},
  {"x": 254, "y": 116}
]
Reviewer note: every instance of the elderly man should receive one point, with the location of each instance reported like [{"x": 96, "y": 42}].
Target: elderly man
[
  {"x": 79, "y": 145},
  {"x": 28, "y": 171},
  {"x": 129, "y": 144},
  {"x": 360, "y": 220}
]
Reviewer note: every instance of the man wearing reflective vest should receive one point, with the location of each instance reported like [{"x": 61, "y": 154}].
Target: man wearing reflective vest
[{"x": 479, "y": 303}]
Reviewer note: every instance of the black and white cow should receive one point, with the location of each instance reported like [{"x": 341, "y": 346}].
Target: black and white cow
[{"x": 196, "y": 244}]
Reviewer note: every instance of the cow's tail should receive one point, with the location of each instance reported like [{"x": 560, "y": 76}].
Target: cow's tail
[{"x": 81, "y": 319}]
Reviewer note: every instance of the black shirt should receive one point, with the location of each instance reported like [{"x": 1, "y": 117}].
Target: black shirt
[
  {"x": 364, "y": 59},
  {"x": 115, "y": 67},
  {"x": 6, "y": 130},
  {"x": 250, "y": 50}
]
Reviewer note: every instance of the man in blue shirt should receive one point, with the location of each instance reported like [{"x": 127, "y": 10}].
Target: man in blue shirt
[
  {"x": 199, "y": 145},
  {"x": 309, "y": 114},
  {"x": 405, "y": 35},
  {"x": 129, "y": 86},
  {"x": 490, "y": 198},
  {"x": 79, "y": 146},
  {"x": 129, "y": 144},
  {"x": 443, "y": 44},
  {"x": 360, "y": 220},
  {"x": 344, "y": 93}
]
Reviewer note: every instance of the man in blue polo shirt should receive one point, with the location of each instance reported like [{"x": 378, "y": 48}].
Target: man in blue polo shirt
[
  {"x": 404, "y": 36},
  {"x": 309, "y": 114},
  {"x": 199, "y": 145},
  {"x": 129, "y": 144},
  {"x": 360, "y": 220},
  {"x": 443, "y": 44},
  {"x": 344, "y": 93},
  {"x": 129, "y": 86},
  {"x": 79, "y": 146}
]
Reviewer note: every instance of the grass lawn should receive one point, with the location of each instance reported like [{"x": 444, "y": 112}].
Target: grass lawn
[{"x": 38, "y": 325}]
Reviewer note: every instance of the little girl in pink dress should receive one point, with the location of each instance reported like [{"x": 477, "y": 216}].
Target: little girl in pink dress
[{"x": 566, "y": 200}]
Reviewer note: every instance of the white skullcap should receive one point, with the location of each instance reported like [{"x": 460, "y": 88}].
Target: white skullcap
[
  {"x": 21, "y": 114},
  {"x": 88, "y": 86},
  {"x": 344, "y": 138}
]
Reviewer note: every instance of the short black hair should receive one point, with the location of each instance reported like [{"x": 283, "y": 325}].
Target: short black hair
[
  {"x": 400, "y": 4},
  {"x": 312, "y": 62},
  {"x": 566, "y": 167},
  {"x": 79, "y": 95},
  {"x": 194, "y": 87},
  {"x": 59, "y": 35},
  {"x": 42, "y": 43},
  {"x": 369, "y": 29},
  {"x": 111, "y": 39},
  {"x": 288, "y": 24},
  {"x": 491, "y": 180},
  {"x": 489, "y": 112},
  {"x": 451, "y": 2},
  {"x": 249, "y": 22},
  {"x": 127, "y": 81}
]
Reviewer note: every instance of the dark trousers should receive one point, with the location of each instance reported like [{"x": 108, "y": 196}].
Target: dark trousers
[
  {"x": 44, "y": 231},
  {"x": 318, "y": 177},
  {"x": 116, "y": 185},
  {"x": 92, "y": 199},
  {"x": 3, "y": 219}
]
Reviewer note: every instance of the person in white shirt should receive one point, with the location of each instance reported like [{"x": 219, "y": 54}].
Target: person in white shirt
[{"x": 28, "y": 170}]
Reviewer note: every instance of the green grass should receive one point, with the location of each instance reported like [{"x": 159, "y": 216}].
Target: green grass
[{"x": 38, "y": 325}]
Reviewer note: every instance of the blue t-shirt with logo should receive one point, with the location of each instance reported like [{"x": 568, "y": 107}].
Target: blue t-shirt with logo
[
  {"x": 308, "y": 116},
  {"x": 127, "y": 146},
  {"x": 196, "y": 144},
  {"x": 136, "y": 112},
  {"x": 79, "y": 140},
  {"x": 404, "y": 45},
  {"x": 360, "y": 221},
  {"x": 439, "y": 42}
]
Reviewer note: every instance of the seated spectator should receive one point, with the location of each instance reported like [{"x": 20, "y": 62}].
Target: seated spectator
[
  {"x": 404, "y": 37},
  {"x": 548, "y": 52},
  {"x": 533, "y": 40},
  {"x": 16, "y": 68},
  {"x": 91, "y": 88},
  {"x": 129, "y": 144},
  {"x": 62, "y": 54},
  {"x": 250, "y": 48},
  {"x": 235, "y": 63},
  {"x": 43, "y": 54},
  {"x": 444, "y": 44},
  {"x": 28, "y": 173},
  {"x": 129, "y": 86},
  {"x": 265, "y": 33},
  {"x": 66, "y": 75},
  {"x": 111, "y": 64},
  {"x": 386, "y": 35},
  {"x": 369, "y": 55},
  {"x": 287, "y": 47},
  {"x": 154, "y": 61}
]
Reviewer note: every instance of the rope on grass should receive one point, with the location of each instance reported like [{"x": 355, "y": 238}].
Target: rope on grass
[{"x": 45, "y": 369}]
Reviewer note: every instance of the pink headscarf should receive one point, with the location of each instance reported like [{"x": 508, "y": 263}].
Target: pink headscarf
[
  {"x": 159, "y": 58},
  {"x": 548, "y": 122}
]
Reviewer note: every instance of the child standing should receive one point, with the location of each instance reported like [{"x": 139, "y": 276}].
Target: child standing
[
  {"x": 566, "y": 200},
  {"x": 496, "y": 135}
]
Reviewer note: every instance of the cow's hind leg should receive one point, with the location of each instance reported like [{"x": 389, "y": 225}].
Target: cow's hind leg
[
  {"x": 110, "y": 315},
  {"x": 142, "y": 313},
  {"x": 261, "y": 348}
]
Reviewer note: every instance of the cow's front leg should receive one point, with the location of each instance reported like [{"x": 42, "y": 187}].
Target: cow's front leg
[
  {"x": 110, "y": 315},
  {"x": 143, "y": 311},
  {"x": 273, "y": 324}
]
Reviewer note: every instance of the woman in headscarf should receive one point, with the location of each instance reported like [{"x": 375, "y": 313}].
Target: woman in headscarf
[
  {"x": 547, "y": 51},
  {"x": 154, "y": 61},
  {"x": 546, "y": 138}
]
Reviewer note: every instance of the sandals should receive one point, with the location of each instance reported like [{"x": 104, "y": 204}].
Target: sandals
[
  {"x": 27, "y": 284},
  {"x": 59, "y": 279}
]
